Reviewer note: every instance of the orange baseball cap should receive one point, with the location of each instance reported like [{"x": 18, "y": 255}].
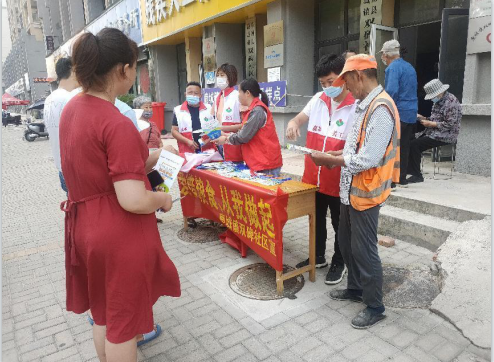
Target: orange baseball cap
[{"x": 356, "y": 62}]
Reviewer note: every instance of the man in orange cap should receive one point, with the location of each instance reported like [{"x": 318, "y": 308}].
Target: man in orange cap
[{"x": 370, "y": 162}]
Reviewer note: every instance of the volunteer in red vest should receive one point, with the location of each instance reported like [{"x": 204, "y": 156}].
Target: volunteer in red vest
[
  {"x": 370, "y": 162},
  {"x": 330, "y": 115},
  {"x": 261, "y": 149},
  {"x": 226, "y": 108},
  {"x": 189, "y": 117}
]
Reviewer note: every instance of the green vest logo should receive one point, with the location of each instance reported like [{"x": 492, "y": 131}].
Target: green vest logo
[
  {"x": 229, "y": 110},
  {"x": 339, "y": 123}
]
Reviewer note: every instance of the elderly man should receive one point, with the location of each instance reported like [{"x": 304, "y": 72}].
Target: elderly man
[
  {"x": 400, "y": 83},
  {"x": 369, "y": 163},
  {"x": 441, "y": 129}
]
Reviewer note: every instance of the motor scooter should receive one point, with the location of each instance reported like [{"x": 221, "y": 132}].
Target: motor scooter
[{"x": 35, "y": 130}]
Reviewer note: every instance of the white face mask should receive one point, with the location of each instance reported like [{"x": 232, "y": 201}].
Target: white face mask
[
  {"x": 384, "y": 61},
  {"x": 221, "y": 82}
]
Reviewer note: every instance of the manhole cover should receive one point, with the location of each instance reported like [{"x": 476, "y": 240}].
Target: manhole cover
[
  {"x": 205, "y": 232},
  {"x": 409, "y": 288},
  {"x": 258, "y": 281}
]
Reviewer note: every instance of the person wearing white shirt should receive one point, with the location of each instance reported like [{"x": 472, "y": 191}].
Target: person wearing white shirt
[{"x": 54, "y": 104}]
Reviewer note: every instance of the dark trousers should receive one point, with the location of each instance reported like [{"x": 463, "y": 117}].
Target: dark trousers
[
  {"x": 418, "y": 146},
  {"x": 407, "y": 135},
  {"x": 324, "y": 201},
  {"x": 358, "y": 243}
]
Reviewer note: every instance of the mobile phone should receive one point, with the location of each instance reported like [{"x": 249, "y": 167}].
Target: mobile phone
[{"x": 155, "y": 178}]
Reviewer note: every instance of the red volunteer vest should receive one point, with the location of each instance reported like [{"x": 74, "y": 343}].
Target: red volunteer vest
[
  {"x": 327, "y": 133},
  {"x": 230, "y": 117},
  {"x": 184, "y": 121},
  {"x": 263, "y": 151}
]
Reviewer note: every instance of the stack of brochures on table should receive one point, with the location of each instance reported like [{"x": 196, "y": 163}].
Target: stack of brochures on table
[{"x": 241, "y": 171}]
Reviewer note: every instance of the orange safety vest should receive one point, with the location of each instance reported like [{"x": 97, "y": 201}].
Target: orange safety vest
[{"x": 372, "y": 187}]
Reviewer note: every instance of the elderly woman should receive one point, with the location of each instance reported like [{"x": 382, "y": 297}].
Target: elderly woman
[{"x": 151, "y": 134}]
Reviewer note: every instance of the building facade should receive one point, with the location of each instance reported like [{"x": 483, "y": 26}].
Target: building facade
[
  {"x": 283, "y": 40},
  {"x": 279, "y": 42},
  {"x": 24, "y": 73},
  {"x": 92, "y": 16}
]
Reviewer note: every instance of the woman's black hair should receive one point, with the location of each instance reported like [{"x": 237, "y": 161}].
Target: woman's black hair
[
  {"x": 94, "y": 56},
  {"x": 253, "y": 87}
]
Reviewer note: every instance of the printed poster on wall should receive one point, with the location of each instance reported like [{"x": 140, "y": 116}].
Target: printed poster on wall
[
  {"x": 208, "y": 46},
  {"x": 370, "y": 13},
  {"x": 480, "y": 8},
  {"x": 210, "y": 77},
  {"x": 479, "y": 35},
  {"x": 251, "y": 48},
  {"x": 274, "y": 74}
]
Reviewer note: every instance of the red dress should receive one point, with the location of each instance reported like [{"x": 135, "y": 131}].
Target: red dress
[{"x": 115, "y": 262}]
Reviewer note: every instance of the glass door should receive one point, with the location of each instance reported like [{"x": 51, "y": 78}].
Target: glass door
[{"x": 378, "y": 36}]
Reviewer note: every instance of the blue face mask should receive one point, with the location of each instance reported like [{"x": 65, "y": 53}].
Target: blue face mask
[
  {"x": 333, "y": 92},
  {"x": 193, "y": 100},
  {"x": 147, "y": 114},
  {"x": 435, "y": 99}
]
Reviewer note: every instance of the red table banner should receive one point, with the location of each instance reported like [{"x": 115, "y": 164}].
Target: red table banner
[{"x": 256, "y": 215}]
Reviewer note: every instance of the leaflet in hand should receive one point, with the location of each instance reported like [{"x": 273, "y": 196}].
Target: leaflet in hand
[
  {"x": 211, "y": 127},
  {"x": 168, "y": 166},
  {"x": 300, "y": 149}
]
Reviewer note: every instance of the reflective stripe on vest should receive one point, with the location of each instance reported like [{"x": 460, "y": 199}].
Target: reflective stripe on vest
[
  {"x": 367, "y": 189},
  {"x": 371, "y": 194}
]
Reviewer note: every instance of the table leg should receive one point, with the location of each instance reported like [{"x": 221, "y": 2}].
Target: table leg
[
  {"x": 312, "y": 246},
  {"x": 186, "y": 224},
  {"x": 279, "y": 282}
]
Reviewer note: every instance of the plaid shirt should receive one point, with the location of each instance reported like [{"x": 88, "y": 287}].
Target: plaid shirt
[{"x": 447, "y": 114}]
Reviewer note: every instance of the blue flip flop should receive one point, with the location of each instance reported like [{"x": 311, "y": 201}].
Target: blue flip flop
[{"x": 148, "y": 337}]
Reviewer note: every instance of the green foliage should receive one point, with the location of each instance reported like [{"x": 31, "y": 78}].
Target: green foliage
[{"x": 127, "y": 98}]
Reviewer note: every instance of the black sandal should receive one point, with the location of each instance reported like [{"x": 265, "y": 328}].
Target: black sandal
[{"x": 191, "y": 223}]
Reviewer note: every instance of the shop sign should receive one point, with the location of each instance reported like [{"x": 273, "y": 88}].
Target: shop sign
[
  {"x": 42, "y": 80},
  {"x": 370, "y": 13},
  {"x": 479, "y": 35},
  {"x": 251, "y": 48},
  {"x": 16, "y": 88},
  {"x": 124, "y": 16},
  {"x": 276, "y": 92},
  {"x": 480, "y": 8},
  {"x": 158, "y": 11},
  {"x": 273, "y": 56},
  {"x": 273, "y": 34}
]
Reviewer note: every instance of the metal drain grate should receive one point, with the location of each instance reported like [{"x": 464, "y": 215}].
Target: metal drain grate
[
  {"x": 205, "y": 232},
  {"x": 258, "y": 281}
]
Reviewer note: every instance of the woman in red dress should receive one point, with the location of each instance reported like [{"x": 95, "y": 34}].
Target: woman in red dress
[{"x": 115, "y": 262}]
